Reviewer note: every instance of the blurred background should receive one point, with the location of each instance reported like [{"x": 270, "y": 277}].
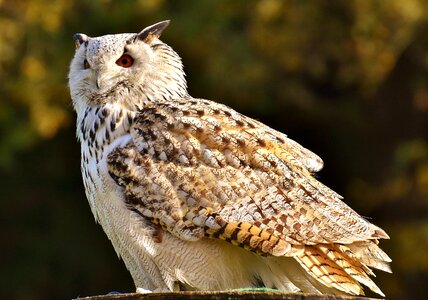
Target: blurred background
[{"x": 347, "y": 79}]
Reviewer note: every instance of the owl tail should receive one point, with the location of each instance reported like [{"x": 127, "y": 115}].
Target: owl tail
[
  {"x": 369, "y": 254},
  {"x": 344, "y": 267}
]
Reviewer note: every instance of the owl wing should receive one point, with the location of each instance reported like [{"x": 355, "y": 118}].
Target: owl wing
[{"x": 200, "y": 169}]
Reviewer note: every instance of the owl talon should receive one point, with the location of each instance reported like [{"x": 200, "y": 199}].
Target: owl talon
[{"x": 143, "y": 291}]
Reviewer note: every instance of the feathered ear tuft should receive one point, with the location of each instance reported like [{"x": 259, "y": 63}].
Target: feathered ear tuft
[{"x": 155, "y": 30}]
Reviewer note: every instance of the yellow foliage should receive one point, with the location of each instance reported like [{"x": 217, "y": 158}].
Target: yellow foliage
[
  {"x": 150, "y": 5},
  {"x": 33, "y": 68},
  {"x": 269, "y": 10},
  {"x": 411, "y": 241},
  {"x": 48, "y": 119},
  {"x": 47, "y": 13}
]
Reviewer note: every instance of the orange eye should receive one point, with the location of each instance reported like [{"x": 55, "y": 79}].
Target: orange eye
[{"x": 125, "y": 61}]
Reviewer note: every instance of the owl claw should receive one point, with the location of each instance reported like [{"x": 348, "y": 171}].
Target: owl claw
[{"x": 143, "y": 291}]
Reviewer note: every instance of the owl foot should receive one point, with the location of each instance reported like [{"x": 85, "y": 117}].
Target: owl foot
[{"x": 143, "y": 291}]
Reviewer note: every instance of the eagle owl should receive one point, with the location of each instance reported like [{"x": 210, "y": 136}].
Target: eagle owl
[{"x": 196, "y": 196}]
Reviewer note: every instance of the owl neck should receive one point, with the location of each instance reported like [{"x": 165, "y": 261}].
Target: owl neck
[{"x": 101, "y": 126}]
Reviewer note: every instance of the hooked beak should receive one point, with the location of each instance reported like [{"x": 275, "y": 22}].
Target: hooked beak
[
  {"x": 102, "y": 79},
  {"x": 98, "y": 80}
]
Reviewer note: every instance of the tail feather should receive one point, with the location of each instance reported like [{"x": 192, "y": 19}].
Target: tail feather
[
  {"x": 344, "y": 267},
  {"x": 368, "y": 253},
  {"x": 352, "y": 267},
  {"x": 327, "y": 272}
]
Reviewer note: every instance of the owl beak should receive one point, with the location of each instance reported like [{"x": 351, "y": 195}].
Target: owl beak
[
  {"x": 98, "y": 80},
  {"x": 79, "y": 39},
  {"x": 101, "y": 79}
]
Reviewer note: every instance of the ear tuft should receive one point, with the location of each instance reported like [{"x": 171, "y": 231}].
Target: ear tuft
[{"x": 154, "y": 30}]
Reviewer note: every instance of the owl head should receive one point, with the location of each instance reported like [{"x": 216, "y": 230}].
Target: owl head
[{"x": 127, "y": 69}]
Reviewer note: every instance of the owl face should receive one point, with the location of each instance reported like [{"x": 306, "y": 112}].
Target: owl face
[{"x": 124, "y": 68}]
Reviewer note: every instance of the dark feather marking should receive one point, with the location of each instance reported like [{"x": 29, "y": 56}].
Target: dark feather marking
[
  {"x": 240, "y": 123},
  {"x": 107, "y": 136},
  {"x": 130, "y": 119},
  {"x": 258, "y": 281},
  {"x": 112, "y": 124},
  {"x": 91, "y": 136}
]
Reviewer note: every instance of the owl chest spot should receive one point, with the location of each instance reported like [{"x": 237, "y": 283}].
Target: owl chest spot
[
  {"x": 94, "y": 164},
  {"x": 101, "y": 130}
]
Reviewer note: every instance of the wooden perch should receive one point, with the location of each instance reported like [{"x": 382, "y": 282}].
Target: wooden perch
[{"x": 224, "y": 295}]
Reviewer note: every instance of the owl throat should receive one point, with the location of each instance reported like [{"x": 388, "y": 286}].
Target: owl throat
[{"x": 101, "y": 129}]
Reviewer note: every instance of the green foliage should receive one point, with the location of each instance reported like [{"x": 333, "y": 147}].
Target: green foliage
[{"x": 347, "y": 79}]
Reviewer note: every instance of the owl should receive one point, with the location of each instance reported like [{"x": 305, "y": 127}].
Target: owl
[{"x": 196, "y": 196}]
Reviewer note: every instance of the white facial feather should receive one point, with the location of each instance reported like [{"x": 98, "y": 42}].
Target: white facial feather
[{"x": 156, "y": 71}]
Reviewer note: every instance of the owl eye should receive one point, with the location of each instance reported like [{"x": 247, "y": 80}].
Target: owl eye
[
  {"x": 125, "y": 61},
  {"x": 86, "y": 65}
]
